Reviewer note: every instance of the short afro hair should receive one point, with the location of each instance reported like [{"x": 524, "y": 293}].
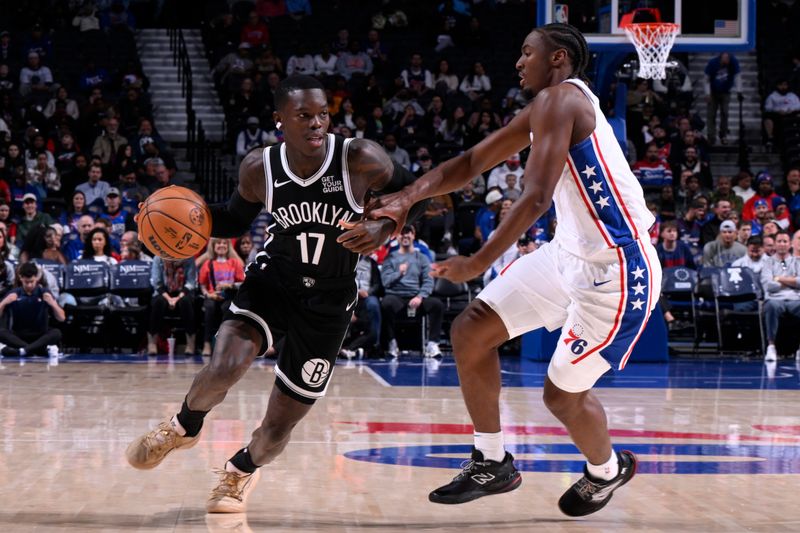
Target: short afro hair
[{"x": 297, "y": 82}]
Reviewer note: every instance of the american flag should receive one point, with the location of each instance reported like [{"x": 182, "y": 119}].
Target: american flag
[{"x": 726, "y": 28}]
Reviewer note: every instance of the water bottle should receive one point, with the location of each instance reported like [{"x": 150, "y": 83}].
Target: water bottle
[{"x": 171, "y": 345}]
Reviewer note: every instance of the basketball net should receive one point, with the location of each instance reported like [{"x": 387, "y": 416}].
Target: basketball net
[{"x": 653, "y": 41}]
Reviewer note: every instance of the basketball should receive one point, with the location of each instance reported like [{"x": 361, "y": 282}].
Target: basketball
[{"x": 174, "y": 223}]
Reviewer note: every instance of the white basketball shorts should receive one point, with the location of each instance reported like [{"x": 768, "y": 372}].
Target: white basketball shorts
[{"x": 601, "y": 305}]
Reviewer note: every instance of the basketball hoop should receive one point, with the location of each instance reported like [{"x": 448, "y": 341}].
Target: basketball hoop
[{"x": 653, "y": 41}]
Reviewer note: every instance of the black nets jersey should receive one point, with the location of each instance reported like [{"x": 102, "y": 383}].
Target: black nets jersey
[{"x": 306, "y": 212}]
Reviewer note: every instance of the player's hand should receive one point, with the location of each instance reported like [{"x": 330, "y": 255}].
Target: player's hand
[
  {"x": 456, "y": 269},
  {"x": 365, "y": 236},
  {"x": 393, "y": 206},
  {"x": 136, "y": 216},
  {"x": 415, "y": 302}
]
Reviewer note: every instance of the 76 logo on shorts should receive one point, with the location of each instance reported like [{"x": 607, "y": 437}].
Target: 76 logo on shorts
[{"x": 574, "y": 341}]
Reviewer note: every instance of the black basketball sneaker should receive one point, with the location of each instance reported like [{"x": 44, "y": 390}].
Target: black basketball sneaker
[
  {"x": 589, "y": 495},
  {"x": 479, "y": 477}
]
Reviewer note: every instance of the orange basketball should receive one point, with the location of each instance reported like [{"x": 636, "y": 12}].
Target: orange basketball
[{"x": 175, "y": 223}]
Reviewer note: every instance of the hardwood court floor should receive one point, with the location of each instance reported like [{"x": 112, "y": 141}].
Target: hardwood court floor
[{"x": 364, "y": 460}]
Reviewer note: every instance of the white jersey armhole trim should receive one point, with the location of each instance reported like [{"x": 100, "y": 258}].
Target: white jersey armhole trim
[
  {"x": 268, "y": 177},
  {"x": 346, "y": 179},
  {"x": 318, "y": 174}
]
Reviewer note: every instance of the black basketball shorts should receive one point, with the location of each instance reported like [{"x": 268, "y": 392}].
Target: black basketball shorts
[{"x": 310, "y": 315}]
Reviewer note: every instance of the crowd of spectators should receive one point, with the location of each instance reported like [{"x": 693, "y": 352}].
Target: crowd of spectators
[{"x": 77, "y": 155}]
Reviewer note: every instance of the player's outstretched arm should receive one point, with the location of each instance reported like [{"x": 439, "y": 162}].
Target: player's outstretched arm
[
  {"x": 373, "y": 171},
  {"x": 233, "y": 219},
  {"x": 544, "y": 168},
  {"x": 456, "y": 172}
]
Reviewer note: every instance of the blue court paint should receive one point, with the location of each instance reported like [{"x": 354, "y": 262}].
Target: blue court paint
[{"x": 678, "y": 458}]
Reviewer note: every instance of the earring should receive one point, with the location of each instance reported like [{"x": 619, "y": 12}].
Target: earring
[{"x": 278, "y": 125}]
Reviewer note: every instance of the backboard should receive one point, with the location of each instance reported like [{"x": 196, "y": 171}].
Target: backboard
[{"x": 705, "y": 25}]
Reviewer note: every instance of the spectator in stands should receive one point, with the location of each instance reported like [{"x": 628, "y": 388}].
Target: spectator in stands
[
  {"x": 512, "y": 191},
  {"x": 755, "y": 259},
  {"x": 94, "y": 77},
  {"x": 477, "y": 84},
  {"x": 724, "y": 191},
  {"x": 6, "y": 266},
  {"x": 676, "y": 90},
  {"x": 769, "y": 245},
  {"x": 251, "y": 137},
  {"x": 106, "y": 145},
  {"x": 523, "y": 246},
  {"x": 722, "y": 77},
  {"x": 724, "y": 250},
  {"x": 6, "y": 223},
  {"x": 781, "y": 213},
  {"x": 692, "y": 163},
  {"x": 486, "y": 219},
  {"x": 745, "y": 231},
  {"x": 32, "y": 217},
  {"x": 74, "y": 211},
  {"x": 453, "y": 129},
  {"x": 652, "y": 172},
  {"x": 133, "y": 108},
  {"x": 97, "y": 247},
  {"x": 244, "y": 247},
  {"x": 397, "y": 154},
  {"x": 9, "y": 54},
  {"x": 690, "y": 226},
  {"x": 764, "y": 191},
  {"x": 119, "y": 219},
  {"x": 743, "y": 187},
  {"x": 671, "y": 251},
  {"x": 38, "y": 145},
  {"x": 690, "y": 189},
  {"x": 174, "y": 283},
  {"x": 779, "y": 105},
  {"x": 722, "y": 209},
  {"x": 445, "y": 83},
  {"x": 366, "y": 322},
  {"x": 497, "y": 177},
  {"x": 27, "y": 309},
  {"x": 35, "y": 80},
  {"x": 416, "y": 78},
  {"x": 300, "y": 62},
  {"x": 74, "y": 244},
  {"x": 354, "y": 64},
  {"x": 220, "y": 276},
  {"x": 662, "y": 141},
  {"x": 145, "y": 135},
  {"x": 7, "y": 83},
  {"x": 790, "y": 190},
  {"x": 70, "y": 105},
  {"x": 255, "y": 32},
  {"x": 779, "y": 278},
  {"x": 95, "y": 189},
  {"x": 234, "y": 67},
  {"x": 324, "y": 62},
  {"x": 65, "y": 154},
  {"x": 44, "y": 176},
  {"x": 408, "y": 286},
  {"x": 41, "y": 243}
]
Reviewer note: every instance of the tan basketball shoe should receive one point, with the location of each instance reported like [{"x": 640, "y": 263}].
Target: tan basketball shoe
[
  {"x": 230, "y": 495},
  {"x": 150, "y": 449}
]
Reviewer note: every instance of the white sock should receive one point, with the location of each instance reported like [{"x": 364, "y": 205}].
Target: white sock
[
  {"x": 230, "y": 468},
  {"x": 490, "y": 445},
  {"x": 606, "y": 471},
  {"x": 177, "y": 425}
]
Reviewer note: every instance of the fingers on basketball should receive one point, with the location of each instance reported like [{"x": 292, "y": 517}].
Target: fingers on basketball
[{"x": 174, "y": 223}]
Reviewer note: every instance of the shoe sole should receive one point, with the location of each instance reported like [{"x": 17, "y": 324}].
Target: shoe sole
[
  {"x": 187, "y": 446},
  {"x": 513, "y": 484},
  {"x": 635, "y": 465}
]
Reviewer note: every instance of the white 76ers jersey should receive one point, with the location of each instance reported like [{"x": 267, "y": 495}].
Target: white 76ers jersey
[{"x": 599, "y": 202}]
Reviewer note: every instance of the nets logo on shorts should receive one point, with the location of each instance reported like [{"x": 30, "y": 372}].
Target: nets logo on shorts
[
  {"x": 574, "y": 341},
  {"x": 315, "y": 371}
]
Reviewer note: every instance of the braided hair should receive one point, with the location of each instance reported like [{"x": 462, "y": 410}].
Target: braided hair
[{"x": 569, "y": 38}]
